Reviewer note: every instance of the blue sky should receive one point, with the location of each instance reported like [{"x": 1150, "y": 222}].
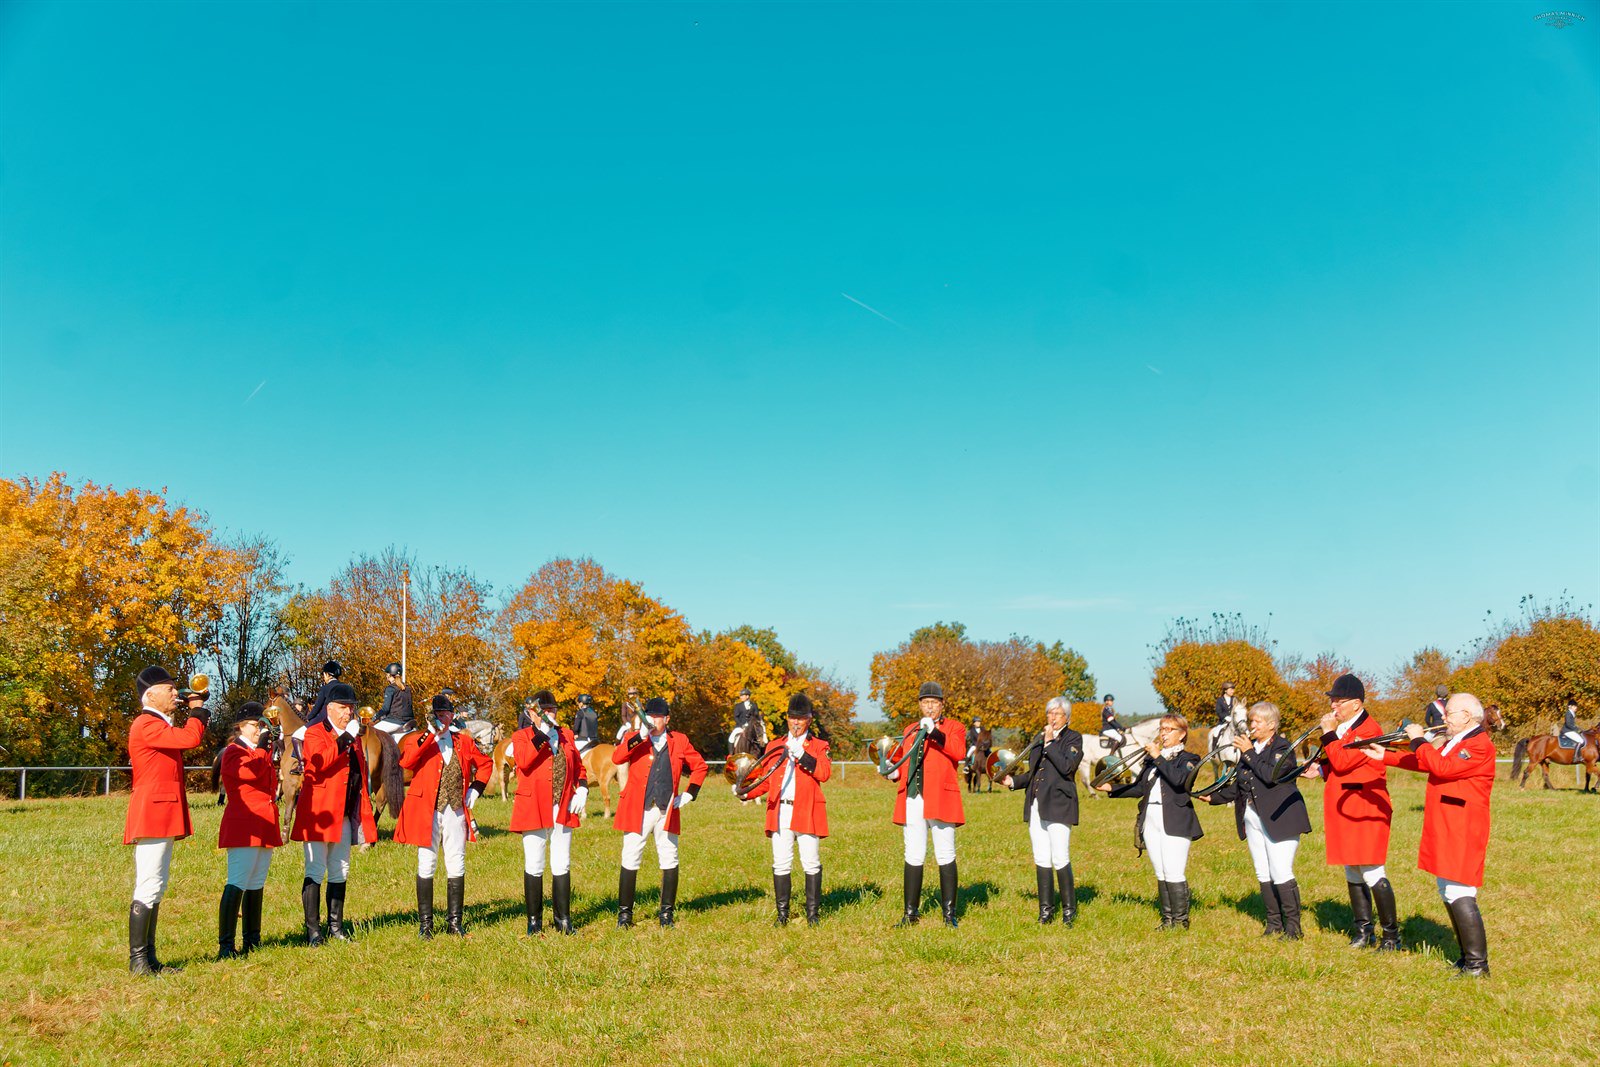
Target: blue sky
[{"x": 1057, "y": 320}]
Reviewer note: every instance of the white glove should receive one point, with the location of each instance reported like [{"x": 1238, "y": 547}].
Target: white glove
[
  {"x": 926, "y": 724},
  {"x": 735, "y": 791},
  {"x": 684, "y": 799},
  {"x": 795, "y": 746},
  {"x": 354, "y": 728},
  {"x": 580, "y": 800},
  {"x": 472, "y": 797}
]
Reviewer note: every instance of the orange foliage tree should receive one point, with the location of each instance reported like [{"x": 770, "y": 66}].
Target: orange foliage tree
[
  {"x": 1194, "y": 660},
  {"x": 1529, "y": 665},
  {"x": 96, "y": 584}
]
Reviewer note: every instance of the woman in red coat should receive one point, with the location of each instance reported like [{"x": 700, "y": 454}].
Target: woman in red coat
[
  {"x": 796, "y": 812},
  {"x": 249, "y": 828},
  {"x": 448, "y": 775},
  {"x": 332, "y": 811},
  {"x": 158, "y": 810},
  {"x": 551, "y": 795},
  {"x": 1356, "y": 811},
  {"x": 650, "y": 804},
  {"x": 929, "y": 801},
  {"x": 1455, "y": 817}
]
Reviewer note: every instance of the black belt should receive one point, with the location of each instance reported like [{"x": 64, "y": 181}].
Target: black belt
[{"x": 788, "y": 802}]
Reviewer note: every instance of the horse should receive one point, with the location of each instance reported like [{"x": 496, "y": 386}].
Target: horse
[
  {"x": 1222, "y": 736},
  {"x": 386, "y": 779},
  {"x": 281, "y": 712},
  {"x": 976, "y": 766},
  {"x": 1096, "y": 748},
  {"x": 1541, "y": 750}
]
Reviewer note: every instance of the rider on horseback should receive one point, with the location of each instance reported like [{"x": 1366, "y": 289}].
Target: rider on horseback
[
  {"x": 1570, "y": 736},
  {"x": 1110, "y": 726},
  {"x": 395, "y": 716},
  {"x": 585, "y": 724}
]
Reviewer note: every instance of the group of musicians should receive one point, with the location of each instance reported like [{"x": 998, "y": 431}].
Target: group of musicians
[{"x": 449, "y": 773}]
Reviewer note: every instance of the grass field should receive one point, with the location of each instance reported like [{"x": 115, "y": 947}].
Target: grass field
[{"x": 725, "y": 987}]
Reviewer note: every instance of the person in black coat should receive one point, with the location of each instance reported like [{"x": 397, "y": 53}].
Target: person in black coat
[
  {"x": 395, "y": 717},
  {"x": 1166, "y": 823},
  {"x": 1050, "y": 807},
  {"x": 1271, "y": 815}
]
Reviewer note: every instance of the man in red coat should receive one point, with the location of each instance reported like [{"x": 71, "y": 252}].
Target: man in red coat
[
  {"x": 1455, "y": 817},
  {"x": 249, "y": 829},
  {"x": 658, "y": 757},
  {"x": 551, "y": 795},
  {"x": 332, "y": 811},
  {"x": 796, "y": 812},
  {"x": 1356, "y": 812},
  {"x": 448, "y": 775},
  {"x": 926, "y": 764},
  {"x": 158, "y": 810}
]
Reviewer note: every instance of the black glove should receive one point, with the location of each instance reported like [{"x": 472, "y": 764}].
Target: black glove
[
  {"x": 344, "y": 742},
  {"x": 202, "y": 714}
]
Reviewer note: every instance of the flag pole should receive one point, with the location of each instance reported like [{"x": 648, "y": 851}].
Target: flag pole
[{"x": 405, "y": 602}]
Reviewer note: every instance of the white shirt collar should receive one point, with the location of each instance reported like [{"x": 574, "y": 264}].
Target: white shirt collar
[
  {"x": 660, "y": 742},
  {"x": 164, "y": 716},
  {"x": 1344, "y": 727},
  {"x": 1452, "y": 742}
]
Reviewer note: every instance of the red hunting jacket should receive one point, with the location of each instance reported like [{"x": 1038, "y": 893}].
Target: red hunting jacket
[
  {"x": 419, "y": 754},
  {"x": 159, "y": 806},
  {"x": 941, "y": 788},
  {"x": 530, "y": 751},
  {"x": 1355, "y": 798},
  {"x": 250, "y": 819},
  {"x": 319, "y": 810},
  {"x": 814, "y": 768},
  {"x": 637, "y": 751},
  {"x": 1455, "y": 812}
]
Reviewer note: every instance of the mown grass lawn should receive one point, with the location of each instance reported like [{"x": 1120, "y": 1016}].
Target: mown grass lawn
[{"x": 725, "y": 987}]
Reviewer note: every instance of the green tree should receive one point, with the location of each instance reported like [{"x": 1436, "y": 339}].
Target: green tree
[{"x": 1077, "y": 684}]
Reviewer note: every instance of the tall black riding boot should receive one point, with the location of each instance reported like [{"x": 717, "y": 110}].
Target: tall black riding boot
[
  {"x": 625, "y": 884},
  {"x": 228, "y": 921},
  {"x": 1388, "y": 920},
  {"x": 1361, "y": 911},
  {"x": 913, "y": 895},
  {"x": 1289, "y": 894},
  {"x": 813, "y": 898},
  {"x": 455, "y": 894},
  {"x": 138, "y": 939},
  {"x": 336, "y": 930},
  {"x": 1180, "y": 904},
  {"x": 669, "y": 896},
  {"x": 311, "y": 904},
  {"x": 1274, "y": 906},
  {"x": 947, "y": 891},
  {"x": 782, "y": 887},
  {"x": 1472, "y": 936},
  {"x": 533, "y": 901},
  {"x": 1046, "y": 880},
  {"x": 561, "y": 902},
  {"x": 424, "y": 908},
  {"x": 251, "y": 934},
  {"x": 150, "y": 939},
  {"x": 1069, "y": 894},
  {"x": 1164, "y": 901}
]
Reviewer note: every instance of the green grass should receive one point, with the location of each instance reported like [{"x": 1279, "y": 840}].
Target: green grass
[{"x": 725, "y": 987}]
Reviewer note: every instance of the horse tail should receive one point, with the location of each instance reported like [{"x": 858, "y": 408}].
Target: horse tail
[
  {"x": 394, "y": 781},
  {"x": 1517, "y": 756}
]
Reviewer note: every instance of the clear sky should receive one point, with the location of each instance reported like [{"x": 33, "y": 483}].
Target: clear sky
[{"x": 1059, "y": 320}]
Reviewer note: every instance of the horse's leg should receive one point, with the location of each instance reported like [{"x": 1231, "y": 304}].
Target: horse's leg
[{"x": 1544, "y": 769}]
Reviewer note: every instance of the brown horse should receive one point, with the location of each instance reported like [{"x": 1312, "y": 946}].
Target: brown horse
[
  {"x": 1542, "y": 750},
  {"x": 281, "y": 712},
  {"x": 598, "y": 770},
  {"x": 386, "y": 779}
]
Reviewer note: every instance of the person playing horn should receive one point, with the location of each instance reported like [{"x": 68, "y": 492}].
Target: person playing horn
[
  {"x": 1356, "y": 812},
  {"x": 797, "y": 815},
  {"x": 1050, "y": 808},
  {"x": 332, "y": 811},
  {"x": 1455, "y": 817},
  {"x": 1166, "y": 823},
  {"x": 448, "y": 775},
  {"x": 249, "y": 829},
  {"x": 1270, "y": 815},
  {"x": 551, "y": 795},
  {"x": 158, "y": 809},
  {"x": 648, "y": 807},
  {"x": 395, "y": 715},
  {"x": 928, "y": 802}
]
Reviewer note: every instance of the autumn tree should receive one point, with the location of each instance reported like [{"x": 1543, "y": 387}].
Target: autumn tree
[
  {"x": 1530, "y": 664},
  {"x": 248, "y": 645},
  {"x": 1005, "y": 683},
  {"x": 1195, "y": 659},
  {"x": 96, "y": 584},
  {"x": 1077, "y": 684}
]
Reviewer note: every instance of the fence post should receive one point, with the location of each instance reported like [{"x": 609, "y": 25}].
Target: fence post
[
  {"x": 108, "y": 781},
  {"x": 22, "y": 785}
]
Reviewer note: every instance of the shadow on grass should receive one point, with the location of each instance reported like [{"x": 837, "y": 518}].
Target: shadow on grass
[
  {"x": 722, "y": 898},
  {"x": 1250, "y": 904},
  {"x": 1334, "y": 916},
  {"x": 1420, "y": 930},
  {"x": 845, "y": 896}
]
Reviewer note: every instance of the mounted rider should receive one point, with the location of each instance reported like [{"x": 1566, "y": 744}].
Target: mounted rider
[
  {"x": 395, "y": 715},
  {"x": 1569, "y": 736},
  {"x": 1111, "y": 727}
]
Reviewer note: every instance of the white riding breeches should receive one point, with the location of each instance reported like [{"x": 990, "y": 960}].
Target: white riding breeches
[
  {"x": 785, "y": 841},
  {"x": 917, "y": 832},
  {"x": 1052, "y": 841},
  {"x": 557, "y": 839},
  {"x": 654, "y": 825},
  {"x": 1370, "y": 873},
  {"x": 152, "y": 865},
  {"x": 330, "y": 860},
  {"x": 393, "y": 729},
  {"x": 247, "y": 866},
  {"x": 449, "y": 838},
  {"x": 1274, "y": 860},
  {"x": 1450, "y": 892},
  {"x": 1168, "y": 855}
]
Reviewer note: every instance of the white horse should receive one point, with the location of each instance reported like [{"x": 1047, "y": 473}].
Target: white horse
[
  {"x": 1096, "y": 748},
  {"x": 1222, "y": 736}
]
